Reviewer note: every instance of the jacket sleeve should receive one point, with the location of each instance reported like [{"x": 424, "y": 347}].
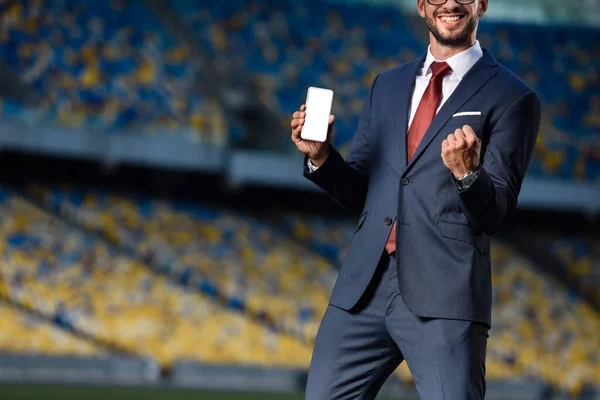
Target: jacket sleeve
[
  {"x": 490, "y": 201},
  {"x": 347, "y": 181}
]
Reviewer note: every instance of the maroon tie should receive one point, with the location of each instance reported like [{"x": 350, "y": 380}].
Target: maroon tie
[{"x": 425, "y": 113}]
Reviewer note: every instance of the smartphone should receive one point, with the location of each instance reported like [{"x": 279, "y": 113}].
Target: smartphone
[{"x": 318, "y": 109}]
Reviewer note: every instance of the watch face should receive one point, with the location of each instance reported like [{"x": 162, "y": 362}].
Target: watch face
[{"x": 469, "y": 179}]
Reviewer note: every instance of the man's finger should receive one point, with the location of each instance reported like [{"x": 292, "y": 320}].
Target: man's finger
[
  {"x": 469, "y": 133},
  {"x": 330, "y": 129},
  {"x": 459, "y": 133},
  {"x": 303, "y": 107},
  {"x": 462, "y": 141},
  {"x": 471, "y": 137},
  {"x": 445, "y": 145},
  {"x": 451, "y": 139},
  {"x": 296, "y": 135},
  {"x": 296, "y": 127}
]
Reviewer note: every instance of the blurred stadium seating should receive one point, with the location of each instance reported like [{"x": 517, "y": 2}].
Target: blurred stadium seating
[
  {"x": 170, "y": 280},
  {"x": 107, "y": 66},
  {"x": 86, "y": 286},
  {"x": 223, "y": 253},
  {"x": 293, "y": 45},
  {"x": 541, "y": 330},
  {"x": 557, "y": 62},
  {"x": 290, "y": 46},
  {"x": 24, "y": 333},
  {"x": 285, "y": 267},
  {"x": 580, "y": 256}
]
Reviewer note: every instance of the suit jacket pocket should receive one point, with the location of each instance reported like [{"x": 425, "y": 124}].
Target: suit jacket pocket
[
  {"x": 460, "y": 232},
  {"x": 361, "y": 221},
  {"x": 461, "y": 120}
]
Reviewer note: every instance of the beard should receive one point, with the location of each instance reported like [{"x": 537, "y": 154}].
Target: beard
[{"x": 455, "y": 38}]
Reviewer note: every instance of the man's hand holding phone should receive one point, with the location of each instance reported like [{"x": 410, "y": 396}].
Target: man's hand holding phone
[
  {"x": 312, "y": 127},
  {"x": 317, "y": 152}
]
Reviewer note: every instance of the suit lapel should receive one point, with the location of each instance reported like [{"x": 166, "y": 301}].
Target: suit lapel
[
  {"x": 403, "y": 93},
  {"x": 479, "y": 74}
]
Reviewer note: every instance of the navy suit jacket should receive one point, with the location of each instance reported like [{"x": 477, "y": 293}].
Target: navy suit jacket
[{"x": 443, "y": 234}]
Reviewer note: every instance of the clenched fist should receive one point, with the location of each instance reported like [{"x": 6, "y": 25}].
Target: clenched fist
[
  {"x": 461, "y": 151},
  {"x": 317, "y": 152}
]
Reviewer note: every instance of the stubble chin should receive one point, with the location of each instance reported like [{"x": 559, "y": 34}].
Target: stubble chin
[{"x": 451, "y": 39}]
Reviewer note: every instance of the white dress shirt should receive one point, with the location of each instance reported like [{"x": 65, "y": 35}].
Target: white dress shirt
[{"x": 460, "y": 63}]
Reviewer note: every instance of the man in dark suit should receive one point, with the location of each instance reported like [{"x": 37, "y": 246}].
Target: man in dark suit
[{"x": 435, "y": 169}]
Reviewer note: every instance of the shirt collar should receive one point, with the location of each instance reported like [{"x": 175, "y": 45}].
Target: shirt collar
[{"x": 460, "y": 63}]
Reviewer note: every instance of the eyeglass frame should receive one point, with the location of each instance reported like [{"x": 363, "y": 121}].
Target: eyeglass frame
[{"x": 445, "y": 1}]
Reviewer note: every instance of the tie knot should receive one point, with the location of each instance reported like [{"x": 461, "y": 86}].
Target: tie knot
[{"x": 440, "y": 69}]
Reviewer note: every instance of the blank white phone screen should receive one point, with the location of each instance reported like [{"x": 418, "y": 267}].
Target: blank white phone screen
[{"x": 318, "y": 110}]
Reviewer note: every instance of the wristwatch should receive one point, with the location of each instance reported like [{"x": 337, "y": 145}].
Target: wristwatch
[{"x": 467, "y": 179}]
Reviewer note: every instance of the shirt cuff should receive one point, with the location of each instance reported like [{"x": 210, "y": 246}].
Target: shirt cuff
[{"x": 311, "y": 166}]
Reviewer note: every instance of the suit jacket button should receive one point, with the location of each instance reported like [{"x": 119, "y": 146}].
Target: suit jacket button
[
  {"x": 387, "y": 220},
  {"x": 404, "y": 181}
]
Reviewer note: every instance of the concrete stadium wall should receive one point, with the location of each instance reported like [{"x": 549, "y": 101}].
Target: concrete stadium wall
[
  {"x": 118, "y": 370},
  {"x": 110, "y": 370},
  {"x": 238, "y": 167}
]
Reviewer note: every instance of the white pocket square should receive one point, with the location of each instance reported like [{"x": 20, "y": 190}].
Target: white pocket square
[{"x": 462, "y": 114}]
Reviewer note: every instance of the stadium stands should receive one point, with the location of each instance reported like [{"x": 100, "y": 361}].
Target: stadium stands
[
  {"x": 223, "y": 253},
  {"x": 327, "y": 236},
  {"x": 255, "y": 265},
  {"x": 344, "y": 45},
  {"x": 290, "y": 46},
  {"x": 173, "y": 281},
  {"x": 540, "y": 330},
  {"x": 560, "y": 65},
  {"x": 85, "y": 285},
  {"x": 24, "y": 333},
  {"x": 101, "y": 65},
  {"x": 107, "y": 66},
  {"x": 580, "y": 256}
]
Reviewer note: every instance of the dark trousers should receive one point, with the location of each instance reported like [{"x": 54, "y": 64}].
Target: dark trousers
[{"x": 356, "y": 351}]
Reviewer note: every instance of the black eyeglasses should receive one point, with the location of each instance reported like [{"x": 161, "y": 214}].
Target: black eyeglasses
[{"x": 440, "y": 2}]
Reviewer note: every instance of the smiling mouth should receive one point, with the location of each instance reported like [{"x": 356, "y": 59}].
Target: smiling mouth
[{"x": 451, "y": 19}]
